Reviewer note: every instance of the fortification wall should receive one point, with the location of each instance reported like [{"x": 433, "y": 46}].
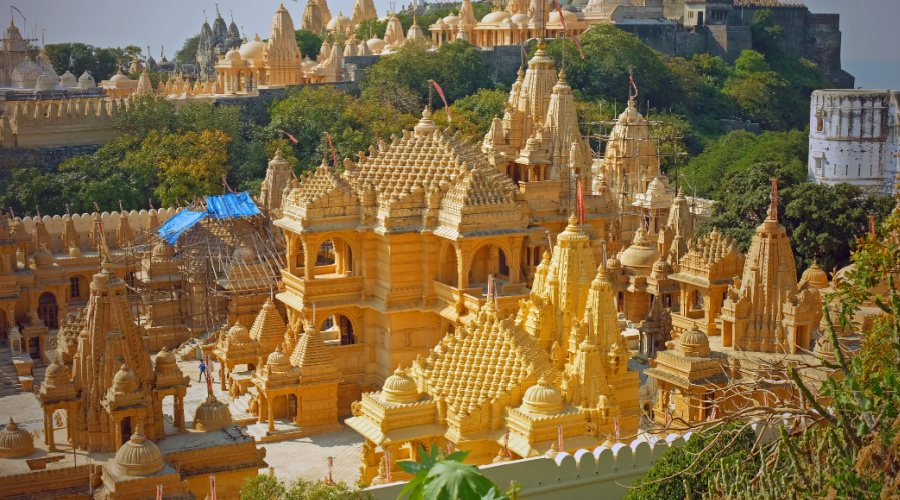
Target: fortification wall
[
  {"x": 73, "y": 122},
  {"x": 44, "y": 159},
  {"x": 137, "y": 219},
  {"x": 601, "y": 473}
]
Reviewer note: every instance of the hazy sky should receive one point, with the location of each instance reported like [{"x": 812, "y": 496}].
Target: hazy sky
[{"x": 871, "y": 31}]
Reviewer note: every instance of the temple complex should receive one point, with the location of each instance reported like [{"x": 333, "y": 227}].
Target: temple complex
[{"x": 554, "y": 371}]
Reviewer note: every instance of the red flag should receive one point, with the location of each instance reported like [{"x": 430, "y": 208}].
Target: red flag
[
  {"x": 562, "y": 19},
  {"x": 631, "y": 77},
  {"x": 387, "y": 464},
  {"x": 667, "y": 416},
  {"x": 580, "y": 202},
  {"x": 330, "y": 145},
  {"x": 292, "y": 138},
  {"x": 712, "y": 416},
  {"x": 506, "y": 443},
  {"x": 208, "y": 382},
  {"x": 440, "y": 92},
  {"x": 766, "y": 399},
  {"x": 559, "y": 431},
  {"x": 449, "y": 448},
  {"x": 616, "y": 421},
  {"x": 212, "y": 487},
  {"x": 158, "y": 492}
]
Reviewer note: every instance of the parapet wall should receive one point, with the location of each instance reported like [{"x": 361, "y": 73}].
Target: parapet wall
[
  {"x": 71, "y": 122},
  {"x": 138, "y": 220},
  {"x": 602, "y": 473}
]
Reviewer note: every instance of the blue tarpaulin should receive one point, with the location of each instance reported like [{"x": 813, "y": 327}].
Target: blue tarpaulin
[
  {"x": 231, "y": 205},
  {"x": 218, "y": 207}
]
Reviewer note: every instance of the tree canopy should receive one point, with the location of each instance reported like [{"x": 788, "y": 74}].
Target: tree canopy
[{"x": 77, "y": 58}]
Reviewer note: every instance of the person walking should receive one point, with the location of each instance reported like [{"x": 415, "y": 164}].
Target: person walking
[{"x": 202, "y": 372}]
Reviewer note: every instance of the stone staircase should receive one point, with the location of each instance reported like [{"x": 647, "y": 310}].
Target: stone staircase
[{"x": 9, "y": 379}]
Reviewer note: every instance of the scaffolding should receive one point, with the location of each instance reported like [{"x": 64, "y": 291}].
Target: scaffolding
[{"x": 219, "y": 272}]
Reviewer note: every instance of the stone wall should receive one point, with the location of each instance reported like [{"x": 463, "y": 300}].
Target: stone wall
[
  {"x": 601, "y": 473},
  {"x": 44, "y": 159},
  {"x": 137, "y": 219}
]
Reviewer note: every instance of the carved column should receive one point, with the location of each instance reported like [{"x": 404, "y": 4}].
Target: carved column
[
  {"x": 271, "y": 411},
  {"x": 48, "y": 431}
]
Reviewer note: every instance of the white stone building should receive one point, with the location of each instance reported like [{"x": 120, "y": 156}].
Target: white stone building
[{"x": 854, "y": 137}]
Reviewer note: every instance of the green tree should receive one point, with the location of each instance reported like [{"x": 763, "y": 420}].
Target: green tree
[
  {"x": 309, "y": 43},
  {"x": 269, "y": 487},
  {"x": 762, "y": 94},
  {"x": 824, "y": 221},
  {"x": 457, "y": 67},
  {"x": 472, "y": 115},
  {"x": 77, "y": 58},
  {"x": 737, "y": 151},
  {"x": 188, "y": 51},
  {"x": 446, "y": 477}
]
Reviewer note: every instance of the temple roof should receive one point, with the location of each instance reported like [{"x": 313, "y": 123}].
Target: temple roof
[{"x": 314, "y": 359}]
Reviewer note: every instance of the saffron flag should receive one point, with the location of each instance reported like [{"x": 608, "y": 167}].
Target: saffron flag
[
  {"x": 440, "y": 92},
  {"x": 559, "y": 431},
  {"x": 449, "y": 448},
  {"x": 387, "y": 464},
  {"x": 580, "y": 202},
  {"x": 330, "y": 145},
  {"x": 631, "y": 77},
  {"x": 292, "y": 138}
]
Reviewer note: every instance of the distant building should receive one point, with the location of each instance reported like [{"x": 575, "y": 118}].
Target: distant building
[{"x": 854, "y": 137}]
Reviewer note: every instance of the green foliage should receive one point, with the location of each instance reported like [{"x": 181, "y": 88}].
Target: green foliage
[
  {"x": 446, "y": 477},
  {"x": 309, "y": 43},
  {"x": 473, "y": 115},
  {"x": 693, "y": 465},
  {"x": 310, "y": 112},
  {"x": 188, "y": 51},
  {"x": 77, "y": 58},
  {"x": 401, "y": 79},
  {"x": 737, "y": 151},
  {"x": 269, "y": 487}
]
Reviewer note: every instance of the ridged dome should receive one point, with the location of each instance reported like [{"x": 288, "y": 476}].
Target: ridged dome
[
  {"x": 553, "y": 19},
  {"x": 693, "y": 343},
  {"x": 56, "y": 375},
  {"x": 339, "y": 23},
  {"x": 307, "y": 64},
  {"x": 238, "y": 333},
  {"x": 124, "y": 381},
  {"x": 640, "y": 256},
  {"x": 42, "y": 258},
  {"x": 139, "y": 457},
  {"x": 165, "y": 361},
  {"x": 400, "y": 388},
  {"x": 542, "y": 398},
  {"x": 375, "y": 44},
  {"x": 212, "y": 415},
  {"x": 520, "y": 18},
  {"x": 15, "y": 442},
  {"x": 816, "y": 277},
  {"x": 278, "y": 361},
  {"x": 163, "y": 249},
  {"x": 44, "y": 82},
  {"x": 86, "y": 81}
]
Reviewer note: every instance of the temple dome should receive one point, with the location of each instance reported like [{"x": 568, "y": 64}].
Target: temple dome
[
  {"x": 15, "y": 442},
  {"x": 640, "y": 256},
  {"x": 338, "y": 23},
  {"x": 693, "y": 343},
  {"x": 42, "y": 258},
  {"x": 212, "y": 415},
  {"x": 68, "y": 80},
  {"x": 86, "y": 81},
  {"x": 307, "y": 64},
  {"x": 56, "y": 375},
  {"x": 816, "y": 277},
  {"x": 553, "y": 19},
  {"x": 400, "y": 388},
  {"x": 238, "y": 333},
  {"x": 278, "y": 361},
  {"x": 452, "y": 19},
  {"x": 495, "y": 17},
  {"x": 44, "y": 82},
  {"x": 375, "y": 44},
  {"x": 543, "y": 398},
  {"x": 119, "y": 77},
  {"x": 520, "y": 18},
  {"x": 163, "y": 249},
  {"x": 252, "y": 49},
  {"x": 165, "y": 361},
  {"x": 125, "y": 381},
  {"x": 139, "y": 457},
  {"x": 233, "y": 55}
]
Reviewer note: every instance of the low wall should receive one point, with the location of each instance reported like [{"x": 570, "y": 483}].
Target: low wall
[{"x": 602, "y": 473}]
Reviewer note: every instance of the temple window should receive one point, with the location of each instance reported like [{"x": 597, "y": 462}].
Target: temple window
[
  {"x": 338, "y": 328},
  {"x": 450, "y": 268},
  {"x": 75, "y": 283},
  {"x": 48, "y": 310},
  {"x": 334, "y": 259},
  {"x": 488, "y": 260}
]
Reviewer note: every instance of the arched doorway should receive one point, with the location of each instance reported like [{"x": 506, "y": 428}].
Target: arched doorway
[
  {"x": 338, "y": 327},
  {"x": 334, "y": 258},
  {"x": 125, "y": 429},
  {"x": 48, "y": 310},
  {"x": 488, "y": 260}
]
